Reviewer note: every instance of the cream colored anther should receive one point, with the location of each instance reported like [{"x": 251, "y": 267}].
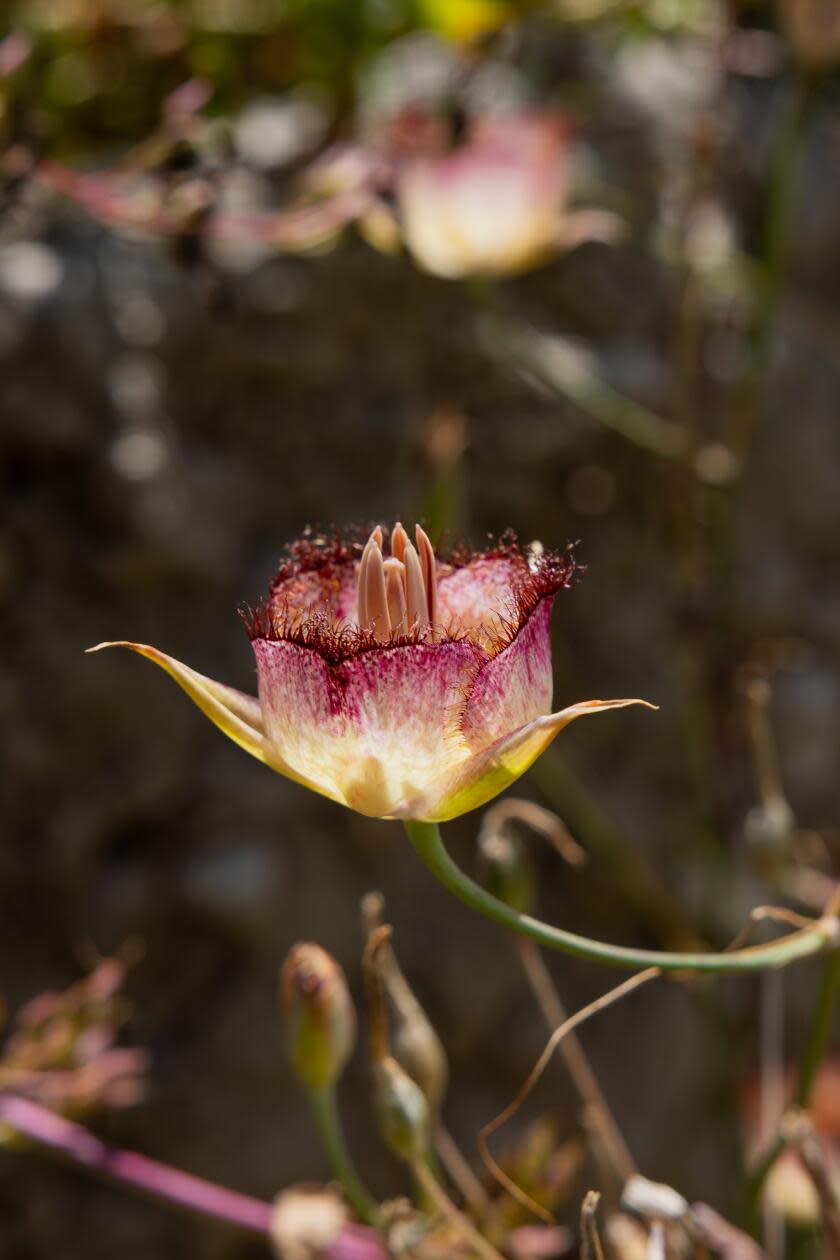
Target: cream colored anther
[
  {"x": 417, "y": 605},
  {"x": 428, "y": 567},
  {"x": 373, "y": 598},
  {"x": 397, "y": 595},
  {"x": 399, "y": 542}
]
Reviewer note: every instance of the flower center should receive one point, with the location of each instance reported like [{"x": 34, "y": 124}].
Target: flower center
[{"x": 397, "y": 594}]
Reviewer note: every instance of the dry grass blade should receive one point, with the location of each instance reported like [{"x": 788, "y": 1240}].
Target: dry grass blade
[
  {"x": 599, "y": 1004},
  {"x": 585, "y": 1081}
]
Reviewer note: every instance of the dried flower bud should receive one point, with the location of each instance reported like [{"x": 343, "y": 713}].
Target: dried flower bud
[
  {"x": 418, "y": 1048},
  {"x": 416, "y": 1045},
  {"x": 321, "y": 1019},
  {"x": 401, "y": 1110},
  {"x": 504, "y": 869}
]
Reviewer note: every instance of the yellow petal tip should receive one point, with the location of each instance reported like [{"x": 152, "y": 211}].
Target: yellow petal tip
[{"x": 143, "y": 648}]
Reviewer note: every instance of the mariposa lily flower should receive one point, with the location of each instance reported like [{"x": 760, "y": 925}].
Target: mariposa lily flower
[
  {"x": 496, "y": 203},
  {"x": 394, "y": 682}
]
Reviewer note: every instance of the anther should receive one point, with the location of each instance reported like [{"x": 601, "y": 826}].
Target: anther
[
  {"x": 417, "y": 610},
  {"x": 399, "y": 539},
  {"x": 395, "y": 594},
  {"x": 361, "y": 585},
  {"x": 429, "y": 570},
  {"x": 375, "y": 600}
]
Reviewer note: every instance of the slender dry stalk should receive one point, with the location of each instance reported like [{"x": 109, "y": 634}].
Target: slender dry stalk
[
  {"x": 599, "y": 1004},
  {"x": 583, "y": 1077},
  {"x": 462, "y": 1175},
  {"x": 441, "y": 1200}
]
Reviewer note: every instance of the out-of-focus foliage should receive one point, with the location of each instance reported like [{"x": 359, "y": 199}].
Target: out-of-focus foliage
[{"x": 99, "y": 70}]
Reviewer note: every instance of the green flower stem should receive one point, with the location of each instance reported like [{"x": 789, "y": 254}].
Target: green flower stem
[
  {"x": 427, "y": 841},
  {"x": 332, "y": 1138}
]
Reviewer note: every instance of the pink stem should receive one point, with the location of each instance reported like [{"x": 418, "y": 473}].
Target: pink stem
[{"x": 161, "y": 1181}]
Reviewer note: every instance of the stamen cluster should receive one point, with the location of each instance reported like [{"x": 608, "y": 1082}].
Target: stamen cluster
[{"x": 397, "y": 595}]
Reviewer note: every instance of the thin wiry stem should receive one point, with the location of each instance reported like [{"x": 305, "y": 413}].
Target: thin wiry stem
[
  {"x": 583, "y": 1077},
  {"x": 436, "y": 1195},
  {"x": 428, "y": 843},
  {"x": 453, "y": 1160},
  {"x": 599, "y": 1004}
]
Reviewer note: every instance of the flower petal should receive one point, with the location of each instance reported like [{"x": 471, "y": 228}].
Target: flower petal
[
  {"x": 514, "y": 686},
  {"x": 490, "y": 771},
  {"x": 370, "y": 731},
  {"x": 480, "y": 595},
  {"x": 235, "y": 713}
]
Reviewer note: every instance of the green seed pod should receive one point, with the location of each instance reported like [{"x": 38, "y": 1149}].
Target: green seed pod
[
  {"x": 402, "y": 1111},
  {"x": 504, "y": 869},
  {"x": 321, "y": 1030}
]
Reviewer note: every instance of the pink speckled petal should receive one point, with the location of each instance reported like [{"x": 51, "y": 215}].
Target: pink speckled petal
[
  {"x": 476, "y": 781},
  {"x": 477, "y": 595},
  {"x": 332, "y": 593},
  {"x": 370, "y": 731},
  {"x": 513, "y": 687}
]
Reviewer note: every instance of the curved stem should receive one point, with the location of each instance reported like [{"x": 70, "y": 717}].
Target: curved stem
[
  {"x": 341, "y": 1163},
  {"x": 427, "y": 841}
]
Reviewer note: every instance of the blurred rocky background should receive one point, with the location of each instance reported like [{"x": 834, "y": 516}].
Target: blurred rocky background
[{"x": 178, "y": 402}]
